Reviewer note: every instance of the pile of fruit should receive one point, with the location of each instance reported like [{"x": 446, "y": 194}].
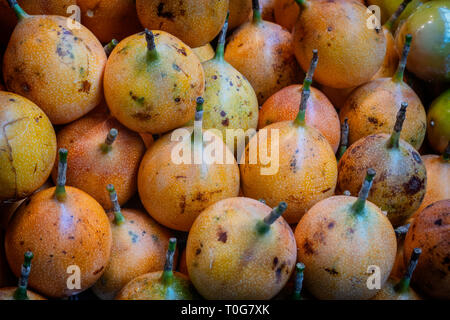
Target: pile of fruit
[{"x": 353, "y": 106}]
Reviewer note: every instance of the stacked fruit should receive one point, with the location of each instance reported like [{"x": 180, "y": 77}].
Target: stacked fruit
[{"x": 330, "y": 169}]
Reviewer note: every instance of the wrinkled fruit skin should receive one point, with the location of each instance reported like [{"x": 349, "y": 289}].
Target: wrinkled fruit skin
[
  {"x": 263, "y": 53},
  {"x": 431, "y": 231},
  {"x": 228, "y": 259},
  {"x": 60, "y": 234},
  {"x": 89, "y": 169},
  {"x": 307, "y": 171},
  {"x": 27, "y": 147},
  {"x": 175, "y": 194},
  {"x": 195, "y": 22},
  {"x": 320, "y": 113},
  {"x": 337, "y": 247},
  {"x": 58, "y": 68},
  {"x": 400, "y": 181},
  {"x": 335, "y": 29},
  {"x": 429, "y": 26},
  {"x": 153, "y": 96},
  {"x": 139, "y": 246},
  {"x": 438, "y": 117},
  {"x": 373, "y": 107}
]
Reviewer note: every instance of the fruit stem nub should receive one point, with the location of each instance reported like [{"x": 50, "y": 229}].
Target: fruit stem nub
[
  {"x": 60, "y": 190},
  {"x": 118, "y": 216},
  {"x": 110, "y": 138},
  {"x": 446, "y": 154},
  {"x": 402, "y": 230},
  {"x": 306, "y": 90},
  {"x": 20, "y": 13},
  {"x": 398, "y": 76},
  {"x": 403, "y": 284},
  {"x": 388, "y": 24},
  {"x": 360, "y": 203},
  {"x": 197, "y": 134},
  {"x": 152, "y": 54},
  {"x": 299, "y": 267},
  {"x": 110, "y": 47},
  {"x": 395, "y": 136},
  {"x": 256, "y": 11},
  {"x": 221, "y": 42},
  {"x": 21, "y": 291},
  {"x": 167, "y": 277},
  {"x": 302, "y": 3},
  {"x": 344, "y": 140},
  {"x": 264, "y": 225}
]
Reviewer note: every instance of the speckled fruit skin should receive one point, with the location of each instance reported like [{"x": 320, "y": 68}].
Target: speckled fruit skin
[
  {"x": 373, "y": 107},
  {"x": 349, "y": 52},
  {"x": 263, "y": 53},
  {"x": 157, "y": 96},
  {"x": 60, "y": 234},
  {"x": 388, "y": 292},
  {"x": 227, "y": 259},
  {"x": 230, "y": 101},
  {"x": 150, "y": 287},
  {"x": 429, "y": 55},
  {"x": 89, "y": 169},
  {"x": 240, "y": 10},
  {"x": 307, "y": 170},
  {"x": 139, "y": 246},
  {"x": 337, "y": 247},
  {"x": 438, "y": 176},
  {"x": 204, "y": 53},
  {"x": 431, "y": 231},
  {"x": 8, "y": 294},
  {"x": 320, "y": 113},
  {"x": 438, "y": 119},
  {"x": 195, "y": 22},
  {"x": 175, "y": 194},
  {"x": 59, "y": 69},
  {"x": 27, "y": 147},
  {"x": 400, "y": 183},
  {"x": 110, "y": 19}
]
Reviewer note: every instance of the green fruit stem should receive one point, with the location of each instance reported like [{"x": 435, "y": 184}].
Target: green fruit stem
[
  {"x": 18, "y": 10},
  {"x": 302, "y": 3},
  {"x": 110, "y": 138},
  {"x": 306, "y": 90},
  {"x": 446, "y": 154},
  {"x": 118, "y": 216},
  {"x": 263, "y": 226},
  {"x": 360, "y": 203},
  {"x": 388, "y": 25},
  {"x": 21, "y": 291},
  {"x": 152, "y": 53},
  {"x": 395, "y": 136},
  {"x": 197, "y": 134},
  {"x": 167, "y": 277},
  {"x": 60, "y": 190},
  {"x": 343, "y": 145},
  {"x": 402, "y": 230},
  {"x": 403, "y": 285},
  {"x": 398, "y": 76},
  {"x": 262, "y": 201},
  {"x": 256, "y": 11},
  {"x": 220, "y": 49},
  {"x": 110, "y": 46},
  {"x": 300, "y": 267}
]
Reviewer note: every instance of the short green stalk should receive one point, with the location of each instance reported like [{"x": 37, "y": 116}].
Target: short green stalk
[
  {"x": 446, "y": 154},
  {"x": 394, "y": 140},
  {"x": 21, "y": 291},
  {"x": 118, "y": 216},
  {"x": 60, "y": 191},
  {"x": 220, "y": 49},
  {"x": 300, "y": 268},
  {"x": 256, "y": 11},
  {"x": 18, "y": 10},
  {"x": 343, "y": 145},
  {"x": 167, "y": 277},
  {"x": 110, "y": 47},
  {"x": 403, "y": 285},
  {"x": 388, "y": 24},
  {"x": 152, "y": 53},
  {"x": 360, "y": 203},
  {"x": 306, "y": 90},
  {"x": 302, "y": 3},
  {"x": 398, "y": 76},
  {"x": 110, "y": 138},
  {"x": 263, "y": 226}
]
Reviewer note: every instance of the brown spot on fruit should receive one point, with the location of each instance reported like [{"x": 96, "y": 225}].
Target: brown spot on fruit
[
  {"x": 307, "y": 247},
  {"x": 198, "y": 251},
  {"x": 413, "y": 186},
  {"x": 98, "y": 271},
  {"x": 332, "y": 271},
  {"x": 438, "y": 222},
  {"x": 331, "y": 225},
  {"x": 275, "y": 262},
  {"x": 222, "y": 235},
  {"x": 85, "y": 86}
]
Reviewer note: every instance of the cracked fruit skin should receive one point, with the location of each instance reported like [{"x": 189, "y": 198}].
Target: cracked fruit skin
[
  {"x": 401, "y": 179},
  {"x": 175, "y": 194},
  {"x": 153, "y": 95},
  {"x": 438, "y": 129},
  {"x": 75, "y": 231},
  {"x": 27, "y": 147},
  {"x": 57, "y": 68},
  {"x": 430, "y": 231},
  {"x": 91, "y": 170},
  {"x": 337, "y": 246},
  {"x": 226, "y": 257},
  {"x": 430, "y": 28},
  {"x": 139, "y": 246},
  {"x": 195, "y": 22},
  {"x": 350, "y": 53}
]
